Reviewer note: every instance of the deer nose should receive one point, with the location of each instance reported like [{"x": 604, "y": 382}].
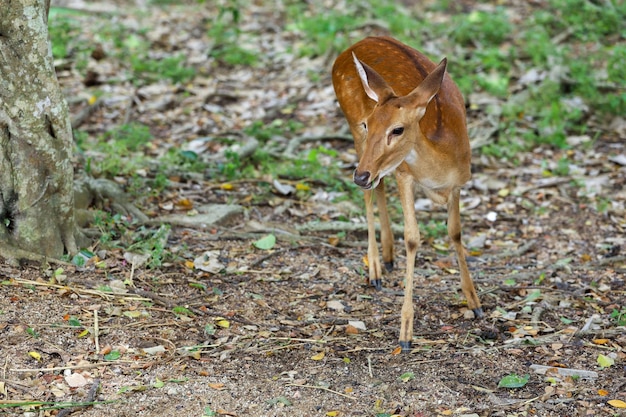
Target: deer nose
[{"x": 361, "y": 179}]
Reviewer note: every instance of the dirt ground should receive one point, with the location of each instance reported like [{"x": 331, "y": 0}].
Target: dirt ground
[
  {"x": 289, "y": 348},
  {"x": 295, "y": 330}
]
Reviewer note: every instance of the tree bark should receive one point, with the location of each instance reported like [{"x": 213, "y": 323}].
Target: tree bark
[{"x": 36, "y": 173}]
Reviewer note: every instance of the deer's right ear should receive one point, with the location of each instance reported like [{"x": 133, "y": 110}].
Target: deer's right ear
[{"x": 374, "y": 85}]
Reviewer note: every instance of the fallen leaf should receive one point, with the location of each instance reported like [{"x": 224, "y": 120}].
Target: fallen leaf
[
  {"x": 154, "y": 349},
  {"x": 603, "y": 392},
  {"x": 600, "y": 341},
  {"x": 319, "y": 356},
  {"x": 333, "y": 413},
  {"x": 209, "y": 262},
  {"x": 222, "y": 322},
  {"x": 617, "y": 403},
  {"x": 605, "y": 361},
  {"x": 513, "y": 381},
  {"x": 216, "y": 385},
  {"x": 351, "y": 330},
  {"x": 284, "y": 189},
  {"x": 358, "y": 324},
  {"x": 184, "y": 204},
  {"x": 335, "y": 305},
  {"x": 266, "y": 242},
  {"x": 407, "y": 376},
  {"x": 34, "y": 355},
  {"x": 75, "y": 380}
]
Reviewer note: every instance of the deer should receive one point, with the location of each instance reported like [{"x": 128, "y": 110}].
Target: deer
[{"x": 407, "y": 118}]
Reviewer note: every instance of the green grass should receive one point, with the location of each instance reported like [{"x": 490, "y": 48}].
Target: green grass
[{"x": 227, "y": 37}]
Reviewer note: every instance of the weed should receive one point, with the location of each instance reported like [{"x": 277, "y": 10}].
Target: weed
[
  {"x": 148, "y": 241},
  {"x": 226, "y": 34},
  {"x": 480, "y": 27},
  {"x": 277, "y": 127},
  {"x": 434, "y": 230},
  {"x": 170, "y": 67},
  {"x": 619, "y": 316}
]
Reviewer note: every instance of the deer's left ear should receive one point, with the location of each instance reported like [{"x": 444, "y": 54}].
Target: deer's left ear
[
  {"x": 374, "y": 85},
  {"x": 429, "y": 87}
]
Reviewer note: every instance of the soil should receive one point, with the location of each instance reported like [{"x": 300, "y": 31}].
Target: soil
[{"x": 296, "y": 331}]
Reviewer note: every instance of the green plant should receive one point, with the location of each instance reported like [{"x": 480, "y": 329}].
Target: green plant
[
  {"x": 321, "y": 32},
  {"x": 170, "y": 67},
  {"x": 619, "y": 316},
  {"x": 480, "y": 27},
  {"x": 227, "y": 37},
  {"x": 434, "y": 229},
  {"x": 151, "y": 242}
]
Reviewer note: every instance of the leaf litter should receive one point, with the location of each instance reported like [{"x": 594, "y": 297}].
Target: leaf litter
[{"x": 296, "y": 331}]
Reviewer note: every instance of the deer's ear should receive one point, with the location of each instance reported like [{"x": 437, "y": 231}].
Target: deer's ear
[
  {"x": 374, "y": 85},
  {"x": 429, "y": 87}
]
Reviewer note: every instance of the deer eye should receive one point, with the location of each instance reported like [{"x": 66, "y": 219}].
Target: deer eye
[{"x": 397, "y": 131}]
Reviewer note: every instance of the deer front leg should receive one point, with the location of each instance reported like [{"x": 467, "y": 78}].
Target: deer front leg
[
  {"x": 412, "y": 242},
  {"x": 386, "y": 236},
  {"x": 454, "y": 231},
  {"x": 373, "y": 259}
]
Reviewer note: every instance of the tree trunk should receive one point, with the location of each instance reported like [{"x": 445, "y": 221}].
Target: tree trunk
[{"x": 36, "y": 174}]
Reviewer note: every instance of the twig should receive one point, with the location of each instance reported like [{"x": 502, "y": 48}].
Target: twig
[
  {"x": 369, "y": 366},
  {"x": 323, "y": 389},
  {"x": 83, "y": 291},
  {"x": 516, "y": 252},
  {"x": 4, "y": 376},
  {"x": 611, "y": 260},
  {"x": 63, "y": 368},
  {"x": 264, "y": 258},
  {"x": 587, "y": 327},
  {"x": 336, "y": 226},
  {"x": 91, "y": 396},
  {"x": 84, "y": 114},
  {"x": 96, "y": 330}
]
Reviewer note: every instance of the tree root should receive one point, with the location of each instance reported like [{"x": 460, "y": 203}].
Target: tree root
[
  {"x": 89, "y": 192},
  {"x": 15, "y": 256}
]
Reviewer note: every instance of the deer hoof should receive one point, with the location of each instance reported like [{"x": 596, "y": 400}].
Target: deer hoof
[
  {"x": 478, "y": 312},
  {"x": 377, "y": 283},
  {"x": 389, "y": 266},
  {"x": 406, "y": 346}
]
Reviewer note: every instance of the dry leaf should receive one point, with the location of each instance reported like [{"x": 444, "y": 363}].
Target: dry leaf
[
  {"x": 617, "y": 403},
  {"x": 76, "y": 380},
  {"x": 222, "y": 322},
  {"x": 351, "y": 330},
  {"x": 603, "y": 392},
  {"x": 217, "y": 386},
  {"x": 319, "y": 356},
  {"x": 184, "y": 204}
]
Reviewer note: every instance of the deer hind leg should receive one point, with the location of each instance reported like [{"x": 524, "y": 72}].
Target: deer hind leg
[
  {"x": 454, "y": 231},
  {"x": 386, "y": 236}
]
